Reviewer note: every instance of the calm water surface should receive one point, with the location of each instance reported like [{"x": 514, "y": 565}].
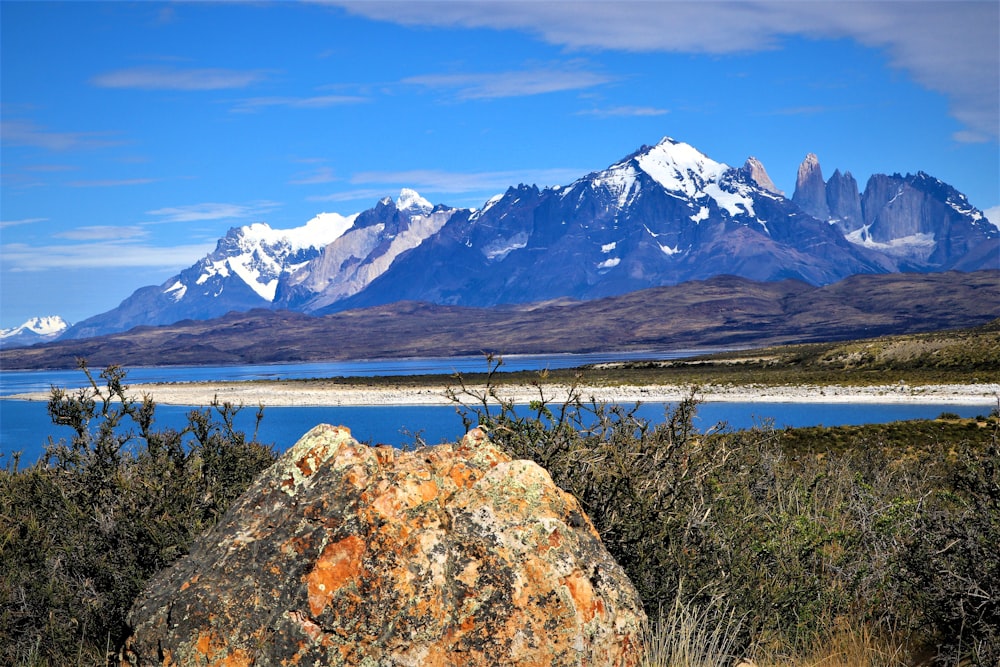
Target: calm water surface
[{"x": 25, "y": 425}]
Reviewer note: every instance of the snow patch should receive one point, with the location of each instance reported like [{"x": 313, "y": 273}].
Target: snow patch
[
  {"x": 499, "y": 251},
  {"x": 179, "y": 289},
  {"x": 667, "y": 250},
  {"x": 702, "y": 214},
  {"x": 609, "y": 263},
  {"x": 914, "y": 244},
  {"x": 608, "y": 247}
]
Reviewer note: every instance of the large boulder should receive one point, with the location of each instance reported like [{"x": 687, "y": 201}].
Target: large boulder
[{"x": 345, "y": 554}]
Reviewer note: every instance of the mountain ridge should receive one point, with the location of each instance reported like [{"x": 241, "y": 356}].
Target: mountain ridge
[{"x": 663, "y": 215}]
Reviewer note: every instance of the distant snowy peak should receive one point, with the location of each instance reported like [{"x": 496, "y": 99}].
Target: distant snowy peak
[
  {"x": 52, "y": 325},
  {"x": 35, "y": 330}
]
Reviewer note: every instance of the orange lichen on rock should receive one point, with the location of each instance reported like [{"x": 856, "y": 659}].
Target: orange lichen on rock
[
  {"x": 446, "y": 555},
  {"x": 339, "y": 563}
]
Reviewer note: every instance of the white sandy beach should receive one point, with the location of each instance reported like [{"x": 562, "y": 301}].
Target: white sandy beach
[{"x": 292, "y": 393}]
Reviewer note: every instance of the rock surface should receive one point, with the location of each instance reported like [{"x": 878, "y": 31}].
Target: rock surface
[
  {"x": 344, "y": 554},
  {"x": 810, "y": 188}
]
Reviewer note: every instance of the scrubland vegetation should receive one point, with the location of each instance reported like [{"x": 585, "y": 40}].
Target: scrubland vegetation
[
  {"x": 853, "y": 546},
  {"x": 84, "y": 529}
]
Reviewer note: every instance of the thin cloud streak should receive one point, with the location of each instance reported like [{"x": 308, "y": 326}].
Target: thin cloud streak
[
  {"x": 102, "y": 233},
  {"x": 624, "y": 111},
  {"x": 113, "y": 183},
  {"x": 317, "y": 102},
  {"x": 510, "y": 84},
  {"x": 212, "y": 211},
  {"x": 27, "y": 133},
  {"x": 21, "y": 257},
  {"x": 169, "y": 78},
  {"x": 318, "y": 176},
  {"x": 369, "y": 195},
  {"x": 24, "y": 221}
]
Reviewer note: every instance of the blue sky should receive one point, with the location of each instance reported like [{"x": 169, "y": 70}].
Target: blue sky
[{"x": 134, "y": 135}]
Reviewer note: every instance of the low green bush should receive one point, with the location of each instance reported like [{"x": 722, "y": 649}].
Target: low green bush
[{"x": 83, "y": 530}]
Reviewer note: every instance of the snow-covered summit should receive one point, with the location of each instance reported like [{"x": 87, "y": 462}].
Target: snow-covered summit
[
  {"x": 51, "y": 325},
  {"x": 683, "y": 171},
  {"x": 35, "y": 330},
  {"x": 680, "y": 167},
  {"x": 411, "y": 202},
  {"x": 259, "y": 255},
  {"x": 318, "y": 232}
]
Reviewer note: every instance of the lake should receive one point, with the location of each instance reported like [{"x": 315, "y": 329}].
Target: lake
[{"x": 25, "y": 426}]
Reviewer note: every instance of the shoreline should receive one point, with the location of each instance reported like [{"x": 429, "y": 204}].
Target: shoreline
[{"x": 292, "y": 393}]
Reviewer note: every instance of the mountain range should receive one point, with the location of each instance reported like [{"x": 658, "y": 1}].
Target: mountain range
[{"x": 664, "y": 215}]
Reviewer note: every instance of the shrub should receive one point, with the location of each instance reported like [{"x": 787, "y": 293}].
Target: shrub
[
  {"x": 952, "y": 566},
  {"x": 82, "y": 530}
]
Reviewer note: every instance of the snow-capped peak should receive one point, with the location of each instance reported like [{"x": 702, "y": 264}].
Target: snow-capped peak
[
  {"x": 322, "y": 230},
  {"x": 51, "y": 325},
  {"x": 411, "y": 202},
  {"x": 680, "y": 167},
  {"x": 683, "y": 171}
]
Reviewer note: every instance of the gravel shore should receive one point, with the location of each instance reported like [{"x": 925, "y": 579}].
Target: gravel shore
[{"x": 311, "y": 393}]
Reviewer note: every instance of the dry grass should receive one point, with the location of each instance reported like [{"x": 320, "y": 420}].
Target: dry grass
[{"x": 691, "y": 636}]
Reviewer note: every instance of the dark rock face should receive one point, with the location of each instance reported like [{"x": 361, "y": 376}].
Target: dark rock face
[
  {"x": 810, "y": 188},
  {"x": 926, "y": 223},
  {"x": 344, "y": 554},
  {"x": 844, "y": 202}
]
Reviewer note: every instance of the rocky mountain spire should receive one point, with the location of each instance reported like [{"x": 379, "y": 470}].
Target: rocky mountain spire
[
  {"x": 810, "y": 189},
  {"x": 755, "y": 170},
  {"x": 844, "y": 201}
]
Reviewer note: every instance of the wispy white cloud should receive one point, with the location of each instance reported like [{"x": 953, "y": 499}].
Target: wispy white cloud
[
  {"x": 212, "y": 211},
  {"x": 49, "y": 168},
  {"x": 27, "y": 133},
  {"x": 110, "y": 183},
  {"x": 102, "y": 233},
  {"x": 363, "y": 195},
  {"x": 487, "y": 85},
  {"x": 104, "y": 254},
  {"x": 315, "y": 177},
  {"x": 316, "y": 102},
  {"x": 611, "y": 112},
  {"x": 947, "y": 47},
  {"x": 809, "y": 110},
  {"x": 23, "y": 221},
  {"x": 172, "y": 78}
]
